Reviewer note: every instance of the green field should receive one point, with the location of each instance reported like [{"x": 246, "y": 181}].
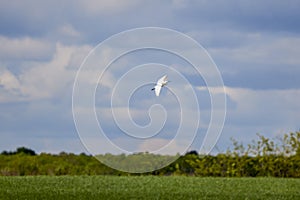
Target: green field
[{"x": 147, "y": 187}]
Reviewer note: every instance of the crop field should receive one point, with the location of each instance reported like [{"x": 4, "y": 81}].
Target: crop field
[{"x": 147, "y": 187}]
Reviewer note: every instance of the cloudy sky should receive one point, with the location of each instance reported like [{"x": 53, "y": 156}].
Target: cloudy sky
[{"x": 255, "y": 45}]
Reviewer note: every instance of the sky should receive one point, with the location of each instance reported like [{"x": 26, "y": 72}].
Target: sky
[{"x": 254, "y": 44}]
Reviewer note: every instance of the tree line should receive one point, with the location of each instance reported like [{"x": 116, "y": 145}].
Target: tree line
[{"x": 263, "y": 157}]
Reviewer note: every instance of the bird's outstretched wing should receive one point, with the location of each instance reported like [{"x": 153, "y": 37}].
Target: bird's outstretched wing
[
  {"x": 157, "y": 89},
  {"x": 162, "y": 80}
]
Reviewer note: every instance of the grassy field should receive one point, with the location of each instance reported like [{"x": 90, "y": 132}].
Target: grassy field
[{"x": 147, "y": 187}]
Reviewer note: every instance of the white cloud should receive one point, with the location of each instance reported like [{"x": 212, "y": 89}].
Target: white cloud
[
  {"x": 44, "y": 79},
  {"x": 270, "y": 112},
  {"x": 162, "y": 146},
  {"x": 69, "y": 31},
  {"x": 252, "y": 101},
  {"x": 8, "y": 81},
  {"x": 25, "y": 48},
  {"x": 9, "y": 86},
  {"x": 107, "y": 6},
  {"x": 180, "y": 4},
  {"x": 269, "y": 100}
]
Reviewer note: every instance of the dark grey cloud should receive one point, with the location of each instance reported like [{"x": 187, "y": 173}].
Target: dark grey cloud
[
  {"x": 40, "y": 19},
  {"x": 244, "y": 15},
  {"x": 264, "y": 78},
  {"x": 30, "y": 18}
]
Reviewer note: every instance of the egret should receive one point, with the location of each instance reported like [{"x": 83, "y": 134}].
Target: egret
[{"x": 160, "y": 83}]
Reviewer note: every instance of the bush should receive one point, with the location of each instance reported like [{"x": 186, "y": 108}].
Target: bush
[{"x": 263, "y": 157}]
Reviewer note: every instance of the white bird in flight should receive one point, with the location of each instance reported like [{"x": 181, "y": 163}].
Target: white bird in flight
[{"x": 160, "y": 83}]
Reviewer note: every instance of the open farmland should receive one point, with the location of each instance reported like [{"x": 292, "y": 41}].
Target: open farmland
[{"x": 147, "y": 187}]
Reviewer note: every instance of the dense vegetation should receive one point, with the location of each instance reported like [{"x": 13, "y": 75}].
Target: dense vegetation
[
  {"x": 147, "y": 187},
  {"x": 263, "y": 157}
]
